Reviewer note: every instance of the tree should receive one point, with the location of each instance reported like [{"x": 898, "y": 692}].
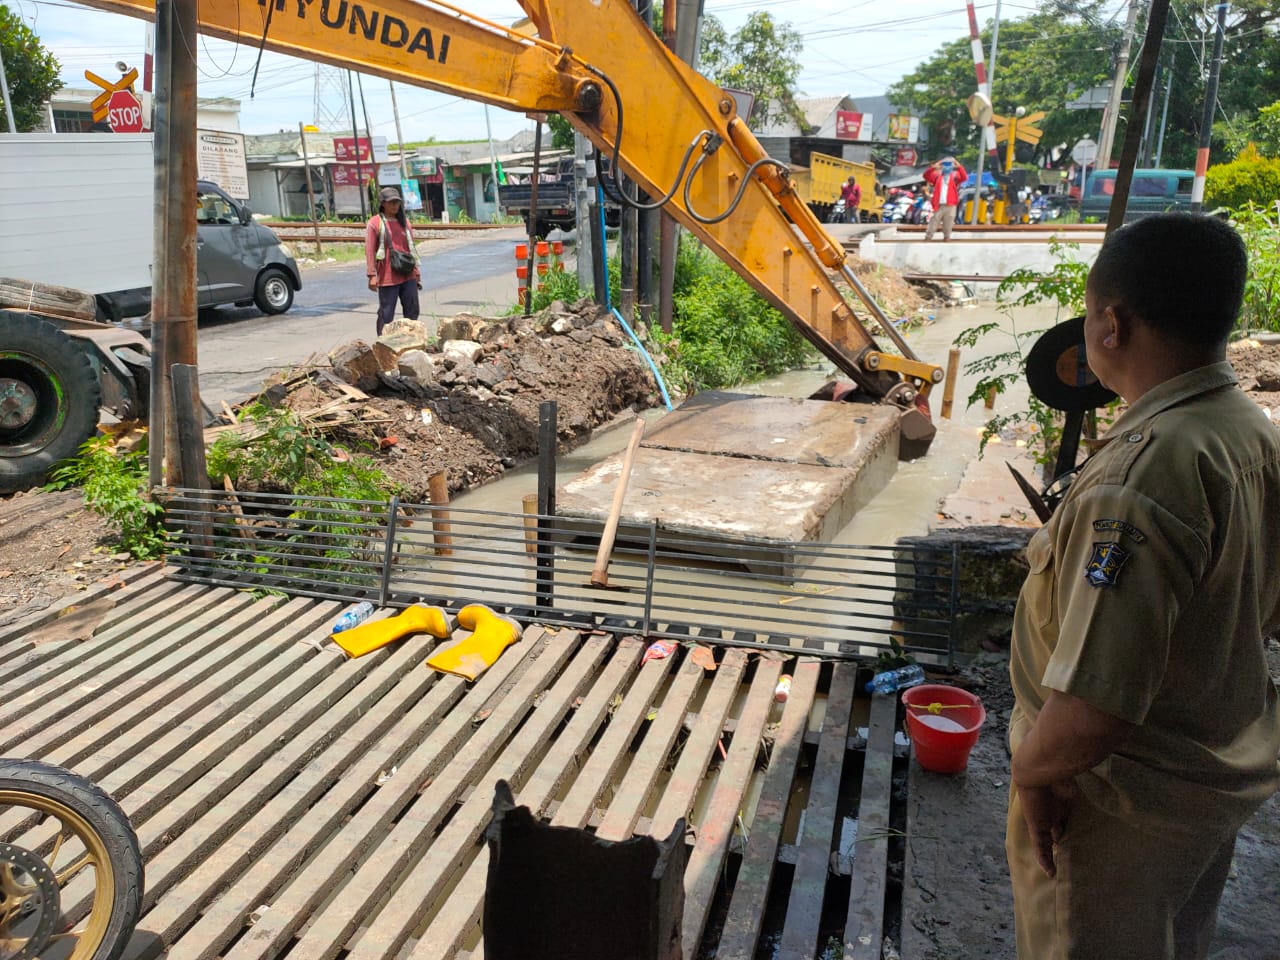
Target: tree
[
  {"x": 561, "y": 132},
  {"x": 1044, "y": 61},
  {"x": 761, "y": 57},
  {"x": 31, "y": 71}
]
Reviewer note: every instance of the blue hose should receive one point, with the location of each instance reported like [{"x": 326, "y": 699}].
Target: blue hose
[{"x": 604, "y": 254}]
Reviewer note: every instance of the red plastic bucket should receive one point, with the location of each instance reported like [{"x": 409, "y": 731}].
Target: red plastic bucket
[
  {"x": 522, "y": 251},
  {"x": 942, "y": 740}
]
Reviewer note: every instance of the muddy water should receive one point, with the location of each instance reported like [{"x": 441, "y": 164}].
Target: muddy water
[{"x": 908, "y": 503}]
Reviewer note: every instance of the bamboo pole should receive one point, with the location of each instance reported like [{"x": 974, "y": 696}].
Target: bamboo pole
[
  {"x": 949, "y": 385},
  {"x": 441, "y": 529}
]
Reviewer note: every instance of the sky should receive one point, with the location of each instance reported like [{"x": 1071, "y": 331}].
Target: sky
[{"x": 855, "y": 47}]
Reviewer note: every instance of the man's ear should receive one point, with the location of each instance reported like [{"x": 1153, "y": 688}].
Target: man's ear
[{"x": 1119, "y": 322}]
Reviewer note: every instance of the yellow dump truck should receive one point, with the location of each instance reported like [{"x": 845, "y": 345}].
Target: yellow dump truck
[{"x": 819, "y": 186}]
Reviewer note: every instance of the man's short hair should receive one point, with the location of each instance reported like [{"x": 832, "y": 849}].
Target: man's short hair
[{"x": 1181, "y": 273}]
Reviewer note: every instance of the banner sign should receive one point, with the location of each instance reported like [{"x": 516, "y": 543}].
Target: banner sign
[
  {"x": 220, "y": 157},
  {"x": 345, "y": 175},
  {"x": 351, "y": 149},
  {"x": 422, "y": 167},
  {"x": 906, "y": 157},
  {"x": 853, "y": 126},
  {"x": 903, "y": 126}
]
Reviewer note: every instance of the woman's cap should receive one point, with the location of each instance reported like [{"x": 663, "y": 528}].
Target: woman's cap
[{"x": 389, "y": 193}]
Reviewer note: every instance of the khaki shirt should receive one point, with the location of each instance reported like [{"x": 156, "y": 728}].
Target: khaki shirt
[{"x": 1150, "y": 592}]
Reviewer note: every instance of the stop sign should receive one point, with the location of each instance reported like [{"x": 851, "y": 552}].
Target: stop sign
[{"x": 124, "y": 112}]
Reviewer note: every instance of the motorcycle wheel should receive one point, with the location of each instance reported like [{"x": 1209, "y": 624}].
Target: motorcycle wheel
[{"x": 71, "y": 874}]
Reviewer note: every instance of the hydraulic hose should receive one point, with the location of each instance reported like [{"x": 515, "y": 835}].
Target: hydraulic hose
[{"x": 604, "y": 255}]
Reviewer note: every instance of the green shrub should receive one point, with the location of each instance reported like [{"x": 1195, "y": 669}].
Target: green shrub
[
  {"x": 1249, "y": 179},
  {"x": 723, "y": 332},
  {"x": 1260, "y": 229},
  {"x": 114, "y": 485},
  {"x": 559, "y": 284}
]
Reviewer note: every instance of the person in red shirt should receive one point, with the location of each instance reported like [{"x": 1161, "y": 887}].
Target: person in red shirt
[
  {"x": 945, "y": 177},
  {"x": 389, "y": 229},
  {"x": 851, "y": 194}
]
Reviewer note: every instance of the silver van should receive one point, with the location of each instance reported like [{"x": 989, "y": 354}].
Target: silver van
[
  {"x": 1152, "y": 191},
  {"x": 238, "y": 260}
]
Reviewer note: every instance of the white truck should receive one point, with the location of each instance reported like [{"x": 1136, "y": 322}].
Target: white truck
[{"x": 76, "y": 217}]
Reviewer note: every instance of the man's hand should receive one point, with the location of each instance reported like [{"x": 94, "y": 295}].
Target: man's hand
[
  {"x": 1045, "y": 811},
  {"x": 373, "y": 283}
]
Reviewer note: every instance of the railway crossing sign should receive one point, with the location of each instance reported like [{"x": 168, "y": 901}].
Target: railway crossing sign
[
  {"x": 1019, "y": 127},
  {"x": 101, "y": 103},
  {"x": 124, "y": 112}
]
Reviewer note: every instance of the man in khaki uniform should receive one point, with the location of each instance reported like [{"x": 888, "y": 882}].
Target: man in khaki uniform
[{"x": 1146, "y": 728}]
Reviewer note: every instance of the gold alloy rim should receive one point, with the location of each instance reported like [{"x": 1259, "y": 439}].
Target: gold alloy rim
[{"x": 95, "y": 855}]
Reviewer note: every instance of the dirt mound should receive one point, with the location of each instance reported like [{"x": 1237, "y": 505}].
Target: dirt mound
[
  {"x": 1257, "y": 364},
  {"x": 470, "y": 405}
]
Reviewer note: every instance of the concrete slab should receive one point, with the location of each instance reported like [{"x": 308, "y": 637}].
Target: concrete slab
[{"x": 728, "y": 468}]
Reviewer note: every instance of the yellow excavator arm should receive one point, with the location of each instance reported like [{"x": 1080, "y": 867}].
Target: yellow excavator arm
[{"x": 672, "y": 131}]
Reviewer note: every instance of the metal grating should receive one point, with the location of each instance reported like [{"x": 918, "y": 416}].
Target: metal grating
[{"x": 837, "y": 600}]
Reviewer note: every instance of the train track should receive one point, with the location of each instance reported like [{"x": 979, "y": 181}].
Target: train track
[{"x": 330, "y": 232}]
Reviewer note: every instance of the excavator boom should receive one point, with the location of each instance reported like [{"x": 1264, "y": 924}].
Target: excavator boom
[{"x": 672, "y": 131}]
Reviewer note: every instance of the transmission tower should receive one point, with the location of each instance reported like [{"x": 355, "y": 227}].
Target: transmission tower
[{"x": 332, "y": 107}]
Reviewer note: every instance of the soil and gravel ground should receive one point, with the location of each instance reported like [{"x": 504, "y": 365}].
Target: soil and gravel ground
[{"x": 958, "y": 896}]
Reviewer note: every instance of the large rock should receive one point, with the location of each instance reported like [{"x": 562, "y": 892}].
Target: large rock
[
  {"x": 417, "y": 364},
  {"x": 356, "y": 363},
  {"x": 465, "y": 326},
  {"x": 416, "y": 330},
  {"x": 461, "y": 351}
]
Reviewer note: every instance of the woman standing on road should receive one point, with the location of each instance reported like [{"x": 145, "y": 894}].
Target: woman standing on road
[{"x": 391, "y": 260}]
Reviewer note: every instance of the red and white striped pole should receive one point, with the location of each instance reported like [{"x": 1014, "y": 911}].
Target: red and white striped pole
[
  {"x": 984, "y": 87},
  {"x": 1210, "y": 109}
]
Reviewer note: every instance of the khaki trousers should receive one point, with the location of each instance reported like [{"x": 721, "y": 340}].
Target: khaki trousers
[
  {"x": 944, "y": 215},
  {"x": 1121, "y": 892}
]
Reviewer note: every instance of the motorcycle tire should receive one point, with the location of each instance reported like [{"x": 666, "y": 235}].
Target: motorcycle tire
[{"x": 100, "y": 834}]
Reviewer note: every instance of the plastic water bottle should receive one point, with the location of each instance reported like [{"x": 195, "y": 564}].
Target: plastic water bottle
[
  {"x": 895, "y": 680},
  {"x": 356, "y": 615}
]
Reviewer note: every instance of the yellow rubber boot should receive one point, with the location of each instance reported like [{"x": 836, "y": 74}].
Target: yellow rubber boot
[
  {"x": 368, "y": 637},
  {"x": 490, "y": 635}
]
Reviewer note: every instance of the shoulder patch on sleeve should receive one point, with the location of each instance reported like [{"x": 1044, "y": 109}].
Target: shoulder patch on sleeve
[
  {"x": 1104, "y": 564},
  {"x": 1120, "y": 526}
]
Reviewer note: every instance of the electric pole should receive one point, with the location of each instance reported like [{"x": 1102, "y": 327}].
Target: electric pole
[
  {"x": 1112, "y": 116},
  {"x": 1210, "y": 108}
]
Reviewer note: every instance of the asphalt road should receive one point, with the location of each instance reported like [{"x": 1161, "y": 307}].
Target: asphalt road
[{"x": 239, "y": 347}]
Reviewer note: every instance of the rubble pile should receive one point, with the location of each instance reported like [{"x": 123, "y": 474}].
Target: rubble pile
[{"x": 467, "y": 402}]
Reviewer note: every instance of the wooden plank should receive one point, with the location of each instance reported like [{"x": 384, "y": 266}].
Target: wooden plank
[
  {"x": 460, "y": 912},
  {"x": 261, "y": 765},
  {"x": 433, "y": 779},
  {"x": 691, "y": 768},
  {"x": 15, "y": 637},
  {"x": 164, "y": 687},
  {"x": 167, "y": 765},
  {"x": 864, "y": 928},
  {"x": 458, "y": 840},
  {"x": 755, "y": 876},
  {"x": 612, "y": 747},
  {"x": 178, "y": 886},
  {"x": 47, "y": 674},
  {"x": 638, "y": 785},
  {"x": 437, "y": 727},
  {"x": 813, "y": 861},
  {"x": 717, "y": 826}
]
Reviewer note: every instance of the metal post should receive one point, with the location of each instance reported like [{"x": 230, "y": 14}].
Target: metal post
[
  {"x": 1138, "y": 111},
  {"x": 1164, "y": 113},
  {"x": 599, "y": 270},
  {"x": 355, "y": 136},
  {"x": 1210, "y": 108},
  {"x": 547, "y": 432},
  {"x": 493, "y": 163},
  {"x": 531, "y": 260},
  {"x": 395, "y": 112},
  {"x": 627, "y": 252},
  {"x": 583, "y": 222},
  {"x": 651, "y": 562},
  {"x": 1117, "y": 88},
  {"x": 4, "y": 89},
  {"x": 389, "y": 549},
  {"x": 311, "y": 193},
  {"x": 173, "y": 305}
]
